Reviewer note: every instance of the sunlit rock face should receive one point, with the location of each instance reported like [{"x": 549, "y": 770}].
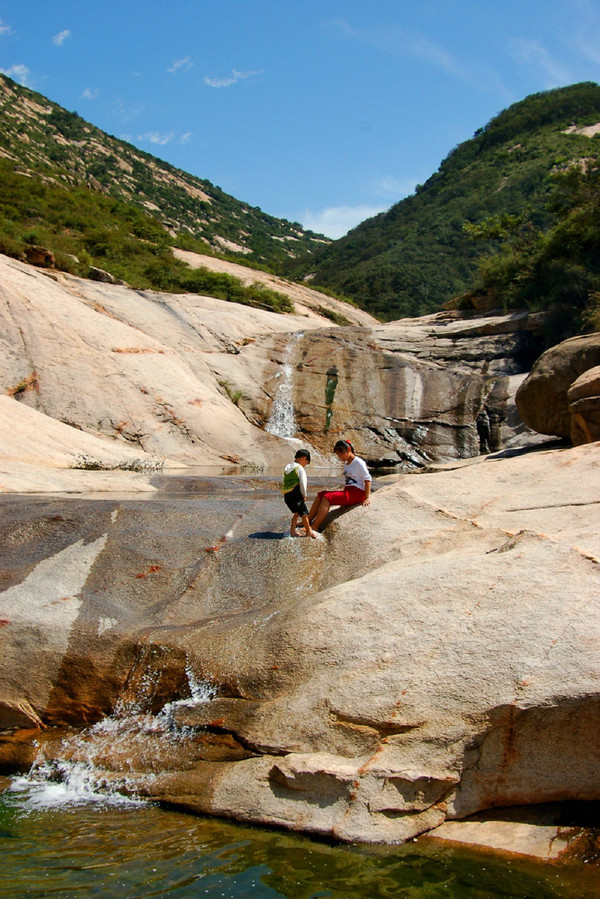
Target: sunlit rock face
[
  {"x": 406, "y": 393},
  {"x": 583, "y": 397},
  {"x": 190, "y": 380},
  {"x": 161, "y": 374},
  {"x": 561, "y": 395},
  {"x": 394, "y": 407},
  {"x": 429, "y": 656}
]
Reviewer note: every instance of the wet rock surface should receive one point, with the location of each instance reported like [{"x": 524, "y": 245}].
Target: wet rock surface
[
  {"x": 429, "y": 657},
  {"x": 407, "y": 393}
]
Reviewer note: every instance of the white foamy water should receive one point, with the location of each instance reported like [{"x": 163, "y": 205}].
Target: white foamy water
[
  {"x": 282, "y": 422},
  {"x": 66, "y": 783},
  {"x": 414, "y": 394},
  {"x": 78, "y": 776}
]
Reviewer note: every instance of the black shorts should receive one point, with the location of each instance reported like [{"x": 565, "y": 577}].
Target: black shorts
[{"x": 295, "y": 501}]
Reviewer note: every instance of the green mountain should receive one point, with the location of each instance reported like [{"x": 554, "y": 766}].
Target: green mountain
[
  {"x": 417, "y": 256},
  {"x": 94, "y": 200},
  {"x": 513, "y": 213}
]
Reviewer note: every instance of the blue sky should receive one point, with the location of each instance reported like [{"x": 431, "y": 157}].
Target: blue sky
[{"x": 318, "y": 111}]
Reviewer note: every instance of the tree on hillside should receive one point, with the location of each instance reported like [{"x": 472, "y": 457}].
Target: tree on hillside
[{"x": 556, "y": 269}]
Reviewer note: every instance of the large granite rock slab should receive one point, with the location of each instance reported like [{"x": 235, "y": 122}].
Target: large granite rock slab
[
  {"x": 196, "y": 381},
  {"x": 429, "y": 657},
  {"x": 407, "y": 393}
]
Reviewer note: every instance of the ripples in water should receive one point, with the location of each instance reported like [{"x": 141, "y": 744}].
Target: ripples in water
[{"x": 55, "y": 847}]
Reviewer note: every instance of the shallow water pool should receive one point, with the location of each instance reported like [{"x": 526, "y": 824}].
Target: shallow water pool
[{"x": 53, "y": 846}]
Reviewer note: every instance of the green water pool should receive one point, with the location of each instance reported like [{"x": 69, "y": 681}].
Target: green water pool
[{"x": 135, "y": 850}]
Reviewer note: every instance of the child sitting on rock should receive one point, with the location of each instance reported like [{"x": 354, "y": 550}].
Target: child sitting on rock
[
  {"x": 357, "y": 487},
  {"x": 293, "y": 487}
]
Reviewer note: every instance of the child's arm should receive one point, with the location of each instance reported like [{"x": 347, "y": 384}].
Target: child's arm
[{"x": 303, "y": 481}]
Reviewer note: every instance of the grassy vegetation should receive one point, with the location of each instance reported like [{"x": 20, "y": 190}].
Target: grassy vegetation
[
  {"x": 84, "y": 228},
  {"x": 47, "y": 140},
  {"x": 76, "y": 190},
  {"x": 333, "y": 316},
  {"x": 512, "y": 212},
  {"x": 555, "y": 268},
  {"x": 234, "y": 395},
  {"x": 418, "y": 255}
]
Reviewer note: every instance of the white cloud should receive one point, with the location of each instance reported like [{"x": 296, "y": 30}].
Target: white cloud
[
  {"x": 336, "y": 221},
  {"x": 536, "y": 57},
  {"x": 391, "y": 188},
  {"x": 129, "y": 111},
  {"x": 404, "y": 42},
  {"x": 590, "y": 48},
  {"x": 154, "y": 137},
  {"x": 4, "y": 28},
  {"x": 18, "y": 73},
  {"x": 61, "y": 37},
  {"x": 232, "y": 79},
  {"x": 587, "y": 30},
  {"x": 185, "y": 63},
  {"x": 90, "y": 94}
]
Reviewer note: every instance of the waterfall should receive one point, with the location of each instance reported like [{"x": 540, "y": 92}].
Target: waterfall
[
  {"x": 76, "y": 773},
  {"x": 413, "y": 385},
  {"x": 281, "y": 421}
]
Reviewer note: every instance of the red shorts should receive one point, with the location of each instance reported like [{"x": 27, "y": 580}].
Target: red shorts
[{"x": 349, "y": 496}]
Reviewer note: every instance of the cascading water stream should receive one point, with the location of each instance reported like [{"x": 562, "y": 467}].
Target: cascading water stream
[
  {"x": 75, "y": 774},
  {"x": 282, "y": 422}
]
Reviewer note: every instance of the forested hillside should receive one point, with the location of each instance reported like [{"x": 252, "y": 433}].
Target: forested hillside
[
  {"x": 513, "y": 214},
  {"x": 94, "y": 200},
  {"x": 498, "y": 192}
]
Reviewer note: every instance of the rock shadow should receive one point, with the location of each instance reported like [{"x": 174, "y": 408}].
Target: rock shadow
[{"x": 337, "y": 512}]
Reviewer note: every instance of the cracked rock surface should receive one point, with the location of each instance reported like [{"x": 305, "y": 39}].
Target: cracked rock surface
[{"x": 430, "y": 656}]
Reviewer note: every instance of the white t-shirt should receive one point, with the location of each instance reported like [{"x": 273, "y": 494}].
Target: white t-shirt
[{"x": 356, "y": 473}]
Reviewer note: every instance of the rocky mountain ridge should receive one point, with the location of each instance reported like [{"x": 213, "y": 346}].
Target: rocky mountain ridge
[
  {"x": 46, "y": 142},
  {"x": 417, "y": 255}
]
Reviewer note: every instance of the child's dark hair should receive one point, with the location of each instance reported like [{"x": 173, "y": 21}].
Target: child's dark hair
[
  {"x": 302, "y": 454},
  {"x": 343, "y": 445}
]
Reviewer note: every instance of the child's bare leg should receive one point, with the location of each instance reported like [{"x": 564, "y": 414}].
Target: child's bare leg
[
  {"x": 314, "y": 508},
  {"x": 293, "y": 531},
  {"x": 307, "y": 527},
  {"x": 324, "y": 507}
]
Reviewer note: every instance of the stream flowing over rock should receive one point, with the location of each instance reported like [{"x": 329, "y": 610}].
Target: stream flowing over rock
[
  {"x": 428, "y": 657},
  {"x": 138, "y": 379}
]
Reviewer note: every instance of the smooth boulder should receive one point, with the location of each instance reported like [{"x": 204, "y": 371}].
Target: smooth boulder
[
  {"x": 430, "y": 656},
  {"x": 542, "y": 399},
  {"x": 584, "y": 404}
]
